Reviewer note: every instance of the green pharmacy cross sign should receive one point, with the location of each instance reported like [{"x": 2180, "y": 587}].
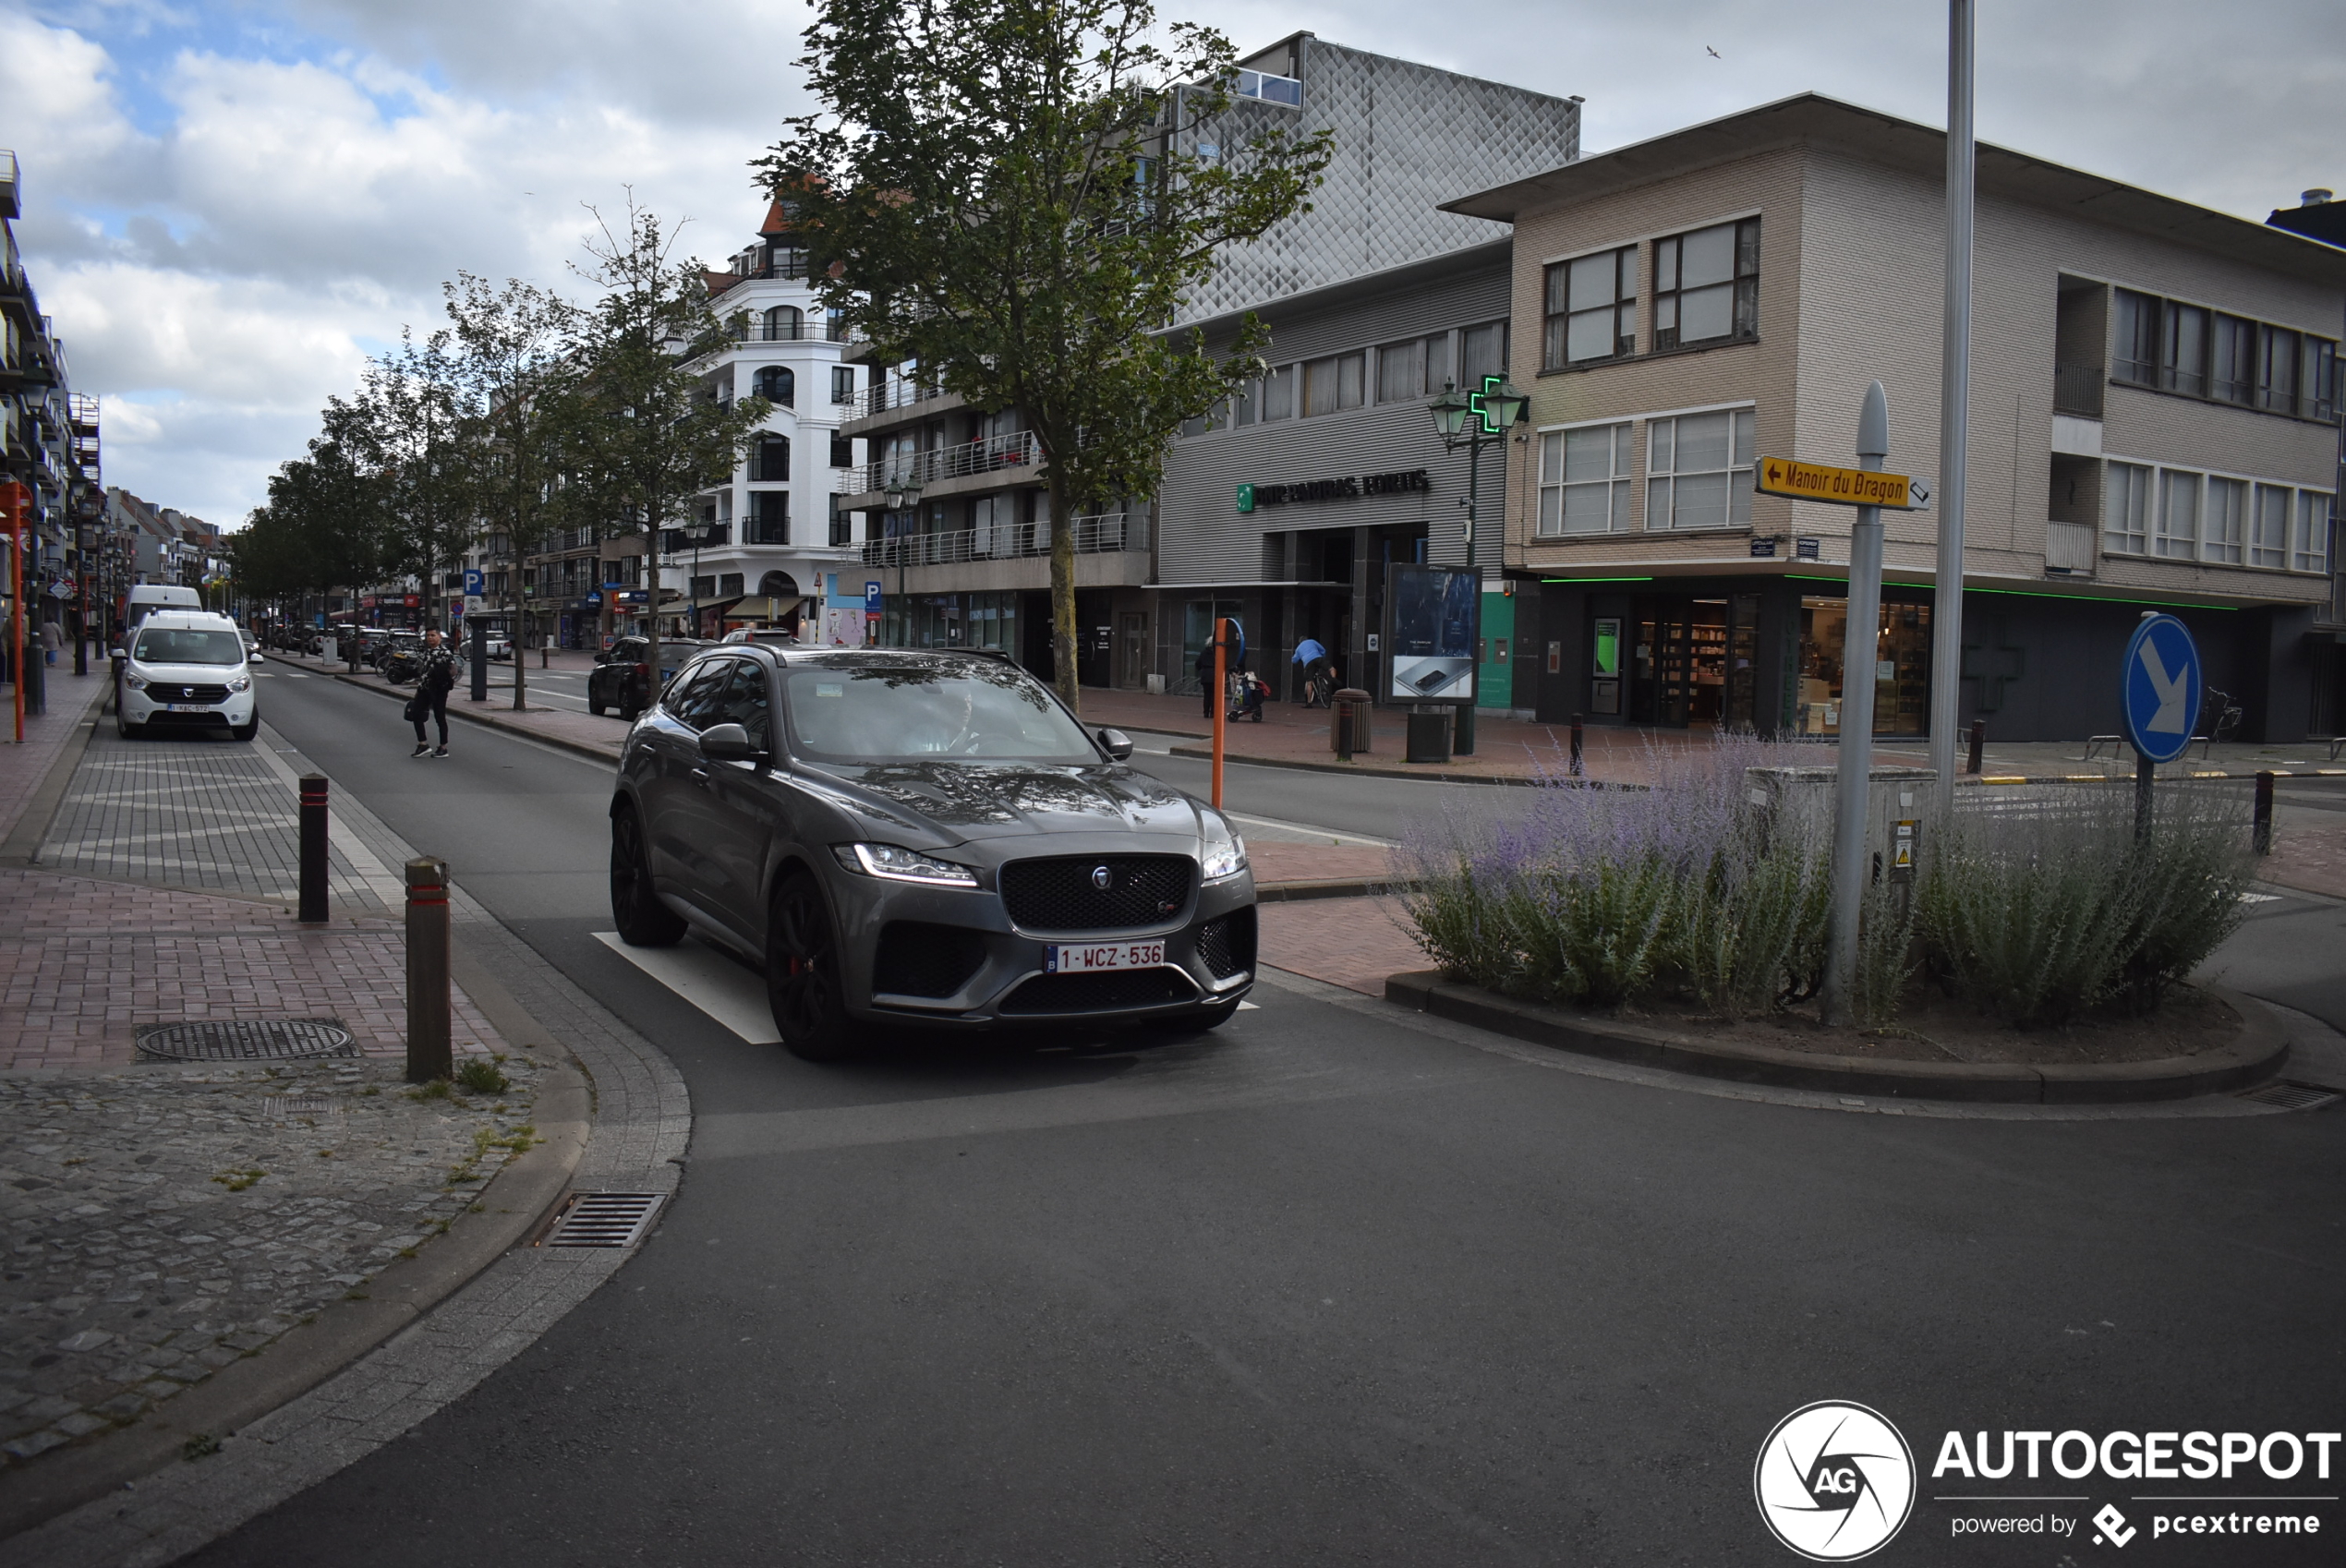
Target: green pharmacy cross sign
[{"x": 1485, "y": 405}]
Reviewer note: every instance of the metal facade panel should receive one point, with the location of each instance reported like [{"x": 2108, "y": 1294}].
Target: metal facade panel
[
  {"x": 1407, "y": 138},
  {"x": 1202, "y": 535}
]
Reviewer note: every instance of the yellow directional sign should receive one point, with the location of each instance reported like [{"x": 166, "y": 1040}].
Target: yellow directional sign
[{"x": 1837, "y": 487}]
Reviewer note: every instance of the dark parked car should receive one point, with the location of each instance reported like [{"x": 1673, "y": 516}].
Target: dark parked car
[
  {"x": 621, "y": 676},
  {"x": 904, "y": 836}
]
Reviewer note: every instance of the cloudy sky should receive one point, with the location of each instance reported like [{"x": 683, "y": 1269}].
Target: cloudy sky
[{"x": 231, "y": 203}]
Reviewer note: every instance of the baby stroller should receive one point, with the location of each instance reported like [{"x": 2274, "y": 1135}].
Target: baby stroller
[{"x": 1247, "y": 699}]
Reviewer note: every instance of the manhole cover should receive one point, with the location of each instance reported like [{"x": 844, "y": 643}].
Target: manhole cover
[
  {"x": 2293, "y": 1096},
  {"x": 284, "y": 1106},
  {"x": 602, "y": 1219},
  {"x": 245, "y": 1040}
]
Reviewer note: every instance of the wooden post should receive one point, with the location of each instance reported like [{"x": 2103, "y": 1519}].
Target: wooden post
[{"x": 430, "y": 1053}]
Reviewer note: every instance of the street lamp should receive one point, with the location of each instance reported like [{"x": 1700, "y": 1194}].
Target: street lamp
[
  {"x": 1474, "y": 420},
  {"x": 904, "y": 496},
  {"x": 697, "y": 533}
]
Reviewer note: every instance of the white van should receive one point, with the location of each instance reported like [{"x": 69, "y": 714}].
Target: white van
[
  {"x": 148, "y": 598},
  {"x": 185, "y": 667}
]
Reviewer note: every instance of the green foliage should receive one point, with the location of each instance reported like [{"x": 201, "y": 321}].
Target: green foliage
[
  {"x": 2052, "y": 908},
  {"x": 476, "y": 1077},
  {"x": 1751, "y": 933},
  {"x": 1002, "y": 191}
]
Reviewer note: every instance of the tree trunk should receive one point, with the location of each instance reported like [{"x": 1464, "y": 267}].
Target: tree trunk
[
  {"x": 651, "y": 559},
  {"x": 1063, "y": 603}
]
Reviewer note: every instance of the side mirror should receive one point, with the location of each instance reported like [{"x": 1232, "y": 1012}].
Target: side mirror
[
  {"x": 117, "y": 653},
  {"x": 1117, "y": 743},
  {"x": 727, "y": 743},
  {"x": 602, "y": 659}
]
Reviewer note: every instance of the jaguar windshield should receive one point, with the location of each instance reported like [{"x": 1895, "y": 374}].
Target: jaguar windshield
[{"x": 929, "y": 709}]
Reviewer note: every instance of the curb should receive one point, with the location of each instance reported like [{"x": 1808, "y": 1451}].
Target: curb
[
  {"x": 1291, "y": 892},
  {"x": 1350, "y": 770},
  {"x": 31, "y": 829},
  {"x": 490, "y": 721},
  {"x": 2256, "y": 1055},
  {"x": 513, "y": 1205}
]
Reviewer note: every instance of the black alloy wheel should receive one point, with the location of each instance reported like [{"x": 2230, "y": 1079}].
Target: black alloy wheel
[
  {"x": 803, "y": 979},
  {"x": 643, "y": 920}
]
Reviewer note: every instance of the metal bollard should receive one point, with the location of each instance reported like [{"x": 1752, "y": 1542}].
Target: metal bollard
[
  {"x": 430, "y": 1051},
  {"x": 2261, "y": 836},
  {"x": 1578, "y": 768},
  {"x": 313, "y": 848},
  {"x": 1978, "y": 742}
]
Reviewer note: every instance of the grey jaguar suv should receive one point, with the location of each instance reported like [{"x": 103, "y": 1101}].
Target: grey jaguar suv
[{"x": 904, "y": 836}]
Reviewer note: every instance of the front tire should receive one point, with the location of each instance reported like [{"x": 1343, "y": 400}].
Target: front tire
[
  {"x": 643, "y": 920},
  {"x": 124, "y": 728},
  {"x": 246, "y": 732},
  {"x": 594, "y": 704},
  {"x": 804, "y": 981}
]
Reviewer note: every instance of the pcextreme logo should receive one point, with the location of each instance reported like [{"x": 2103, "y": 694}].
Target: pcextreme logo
[{"x": 1835, "y": 1481}]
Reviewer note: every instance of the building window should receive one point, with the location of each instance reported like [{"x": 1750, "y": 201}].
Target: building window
[
  {"x": 2277, "y": 351},
  {"x": 729, "y": 585},
  {"x": 1271, "y": 88},
  {"x": 1592, "y": 308},
  {"x": 777, "y": 385},
  {"x": 1482, "y": 351},
  {"x": 782, "y": 324},
  {"x": 1698, "y": 470},
  {"x": 769, "y": 459},
  {"x": 843, "y": 524},
  {"x": 1334, "y": 383},
  {"x": 2225, "y": 520},
  {"x": 2125, "y": 527},
  {"x": 1242, "y": 405},
  {"x": 2268, "y": 527},
  {"x": 2182, "y": 350},
  {"x": 835, "y": 326},
  {"x": 2178, "y": 514},
  {"x": 1407, "y": 371},
  {"x": 2135, "y": 353},
  {"x": 2309, "y": 551},
  {"x": 1584, "y": 480},
  {"x": 2233, "y": 364},
  {"x": 842, "y": 450},
  {"x": 769, "y": 518},
  {"x": 843, "y": 383},
  {"x": 1706, "y": 285},
  {"x": 2318, "y": 386},
  {"x": 1278, "y": 394}
]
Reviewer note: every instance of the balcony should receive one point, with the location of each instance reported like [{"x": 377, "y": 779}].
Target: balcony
[
  {"x": 766, "y": 529},
  {"x": 2077, "y": 390},
  {"x": 800, "y": 331},
  {"x": 988, "y": 454},
  {"x": 890, "y": 395},
  {"x": 2070, "y": 548},
  {"x": 1108, "y": 533}
]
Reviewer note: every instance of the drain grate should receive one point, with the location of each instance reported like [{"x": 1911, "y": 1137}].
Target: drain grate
[
  {"x": 283, "y": 1107},
  {"x": 245, "y": 1040},
  {"x": 2292, "y": 1096},
  {"x": 602, "y": 1219}
]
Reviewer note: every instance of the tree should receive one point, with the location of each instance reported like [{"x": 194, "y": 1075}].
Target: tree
[
  {"x": 1006, "y": 191},
  {"x": 326, "y": 523},
  {"x": 655, "y": 435},
  {"x": 406, "y": 423},
  {"x": 520, "y": 411}
]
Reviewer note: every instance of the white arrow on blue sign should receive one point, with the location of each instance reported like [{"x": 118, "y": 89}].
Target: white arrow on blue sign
[{"x": 2161, "y": 686}]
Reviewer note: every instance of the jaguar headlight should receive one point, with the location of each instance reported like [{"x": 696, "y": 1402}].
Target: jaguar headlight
[
  {"x": 894, "y": 864},
  {"x": 1223, "y": 852}
]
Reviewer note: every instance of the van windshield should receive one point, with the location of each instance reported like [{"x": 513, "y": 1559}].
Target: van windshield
[{"x": 161, "y": 646}]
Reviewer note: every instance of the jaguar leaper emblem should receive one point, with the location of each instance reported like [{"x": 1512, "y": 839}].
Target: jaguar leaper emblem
[{"x": 1102, "y": 878}]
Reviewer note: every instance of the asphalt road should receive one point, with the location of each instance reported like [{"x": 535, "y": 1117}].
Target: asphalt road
[{"x": 1325, "y": 1287}]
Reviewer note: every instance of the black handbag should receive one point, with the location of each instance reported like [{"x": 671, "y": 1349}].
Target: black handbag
[{"x": 415, "y": 709}]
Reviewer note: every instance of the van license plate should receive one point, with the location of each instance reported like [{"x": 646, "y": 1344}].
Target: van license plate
[
  {"x": 1119, "y": 955},
  {"x": 188, "y": 707}
]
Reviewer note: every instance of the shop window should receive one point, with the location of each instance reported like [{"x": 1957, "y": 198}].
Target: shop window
[
  {"x": 1899, "y": 663},
  {"x": 1584, "y": 480},
  {"x": 1698, "y": 470},
  {"x": 2125, "y": 528}
]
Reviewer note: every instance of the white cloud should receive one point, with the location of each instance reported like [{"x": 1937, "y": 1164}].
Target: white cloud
[{"x": 309, "y": 171}]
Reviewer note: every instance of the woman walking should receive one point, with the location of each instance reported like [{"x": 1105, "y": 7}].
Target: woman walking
[{"x": 434, "y": 680}]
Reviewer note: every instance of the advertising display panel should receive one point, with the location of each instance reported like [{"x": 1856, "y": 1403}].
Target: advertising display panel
[{"x": 1431, "y": 618}]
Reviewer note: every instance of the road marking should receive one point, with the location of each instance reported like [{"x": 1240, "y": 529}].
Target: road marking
[
  {"x": 729, "y": 994},
  {"x": 1315, "y": 834}
]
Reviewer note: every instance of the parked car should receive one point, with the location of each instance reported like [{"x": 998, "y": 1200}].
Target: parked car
[
  {"x": 183, "y": 668},
  {"x": 773, "y": 634},
  {"x": 498, "y": 646},
  {"x": 621, "y": 676},
  {"x": 904, "y": 836}
]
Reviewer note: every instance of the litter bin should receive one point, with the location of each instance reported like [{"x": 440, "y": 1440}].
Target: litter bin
[
  {"x": 1349, "y": 727},
  {"x": 1430, "y": 729}
]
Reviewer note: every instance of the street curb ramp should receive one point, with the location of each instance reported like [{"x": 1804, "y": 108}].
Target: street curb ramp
[
  {"x": 2255, "y": 1054},
  {"x": 514, "y": 1203}
]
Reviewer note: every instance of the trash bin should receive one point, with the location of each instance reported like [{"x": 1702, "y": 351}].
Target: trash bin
[
  {"x": 1349, "y": 727},
  {"x": 1429, "y": 730}
]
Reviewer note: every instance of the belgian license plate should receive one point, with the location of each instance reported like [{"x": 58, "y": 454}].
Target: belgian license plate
[
  {"x": 188, "y": 707},
  {"x": 1113, "y": 954}
]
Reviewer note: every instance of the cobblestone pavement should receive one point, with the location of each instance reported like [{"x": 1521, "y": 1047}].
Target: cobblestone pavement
[
  {"x": 192, "y": 812},
  {"x": 84, "y": 962},
  {"x": 163, "y": 1221}
]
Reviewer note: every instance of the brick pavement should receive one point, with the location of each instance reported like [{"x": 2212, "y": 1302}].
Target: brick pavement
[
  {"x": 164, "y": 1220},
  {"x": 23, "y": 767},
  {"x": 1354, "y": 943}
]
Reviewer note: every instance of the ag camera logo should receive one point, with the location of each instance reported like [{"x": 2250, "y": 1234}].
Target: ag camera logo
[{"x": 1835, "y": 1481}]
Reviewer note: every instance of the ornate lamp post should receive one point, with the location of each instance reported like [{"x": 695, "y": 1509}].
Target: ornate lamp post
[
  {"x": 1474, "y": 420},
  {"x": 696, "y": 532}
]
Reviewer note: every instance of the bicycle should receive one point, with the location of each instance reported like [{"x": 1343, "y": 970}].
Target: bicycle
[{"x": 2220, "y": 719}]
